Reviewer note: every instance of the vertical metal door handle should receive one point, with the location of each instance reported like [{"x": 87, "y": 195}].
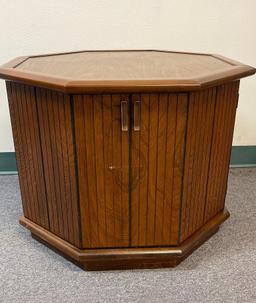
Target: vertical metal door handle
[
  {"x": 136, "y": 116},
  {"x": 124, "y": 116}
]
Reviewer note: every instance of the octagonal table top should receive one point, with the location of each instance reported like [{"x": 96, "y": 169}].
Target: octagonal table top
[{"x": 124, "y": 70}]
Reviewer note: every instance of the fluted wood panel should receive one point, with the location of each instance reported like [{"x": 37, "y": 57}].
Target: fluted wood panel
[
  {"x": 55, "y": 124},
  {"x": 198, "y": 148},
  {"x": 103, "y": 170},
  {"x": 226, "y": 104},
  {"x": 208, "y": 146},
  {"x": 156, "y": 167},
  {"x": 26, "y": 136}
]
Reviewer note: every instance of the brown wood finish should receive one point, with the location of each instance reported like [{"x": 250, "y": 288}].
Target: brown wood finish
[
  {"x": 226, "y": 104},
  {"x": 139, "y": 65},
  {"x": 144, "y": 71},
  {"x": 103, "y": 170},
  {"x": 28, "y": 152},
  {"x": 127, "y": 258},
  {"x": 198, "y": 148},
  {"x": 157, "y": 156},
  {"x": 55, "y": 124},
  {"x": 207, "y": 157},
  {"x": 123, "y": 156}
]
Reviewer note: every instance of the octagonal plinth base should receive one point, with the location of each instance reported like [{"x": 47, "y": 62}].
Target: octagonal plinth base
[{"x": 126, "y": 258}]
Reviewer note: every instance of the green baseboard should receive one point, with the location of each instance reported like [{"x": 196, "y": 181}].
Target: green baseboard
[
  {"x": 8, "y": 163},
  {"x": 242, "y": 156}
]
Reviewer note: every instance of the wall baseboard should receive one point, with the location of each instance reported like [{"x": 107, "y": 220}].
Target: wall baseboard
[
  {"x": 242, "y": 156},
  {"x": 8, "y": 163}
]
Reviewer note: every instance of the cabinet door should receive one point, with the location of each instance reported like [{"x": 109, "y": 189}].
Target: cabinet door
[
  {"x": 102, "y": 160},
  {"x": 157, "y": 151}
]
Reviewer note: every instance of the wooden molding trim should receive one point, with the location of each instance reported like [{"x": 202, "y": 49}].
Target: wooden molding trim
[
  {"x": 124, "y": 258},
  {"x": 131, "y": 86},
  {"x": 69, "y": 86}
]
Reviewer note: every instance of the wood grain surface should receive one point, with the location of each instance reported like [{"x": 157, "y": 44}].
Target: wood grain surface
[
  {"x": 23, "y": 111},
  {"x": 144, "y": 71},
  {"x": 55, "y": 124},
  {"x": 138, "y": 65},
  {"x": 96, "y": 185},
  {"x": 126, "y": 258},
  {"x": 157, "y": 167},
  {"x": 103, "y": 170},
  {"x": 226, "y": 105},
  {"x": 208, "y": 147}
]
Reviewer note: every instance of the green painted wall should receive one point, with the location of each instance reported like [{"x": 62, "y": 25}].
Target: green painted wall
[{"x": 242, "y": 156}]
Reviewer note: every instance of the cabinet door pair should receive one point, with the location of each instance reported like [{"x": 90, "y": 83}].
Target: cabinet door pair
[{"x": 129, "y": 157}]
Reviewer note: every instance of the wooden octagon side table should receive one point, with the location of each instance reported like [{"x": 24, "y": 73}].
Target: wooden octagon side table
[{"x": 123, "y": 156}]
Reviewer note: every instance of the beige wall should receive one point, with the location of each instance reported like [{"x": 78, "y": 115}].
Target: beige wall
[{"x": 226, "y": 27}]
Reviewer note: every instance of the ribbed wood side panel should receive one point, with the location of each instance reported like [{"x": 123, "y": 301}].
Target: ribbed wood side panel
[
  {"x": 55, "y": 124},
  {"x": 226, "y": 104},
  {"x": 208, "y": 146},
  {"x": 157, "y": 165},
  {"x": 26, "y": 136},
  {"x": 197, "y": 156},
  {"x": 103, "y": 170}
]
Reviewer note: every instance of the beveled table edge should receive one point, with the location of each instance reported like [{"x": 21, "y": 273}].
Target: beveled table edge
[{"x": 70, "y": 86}]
